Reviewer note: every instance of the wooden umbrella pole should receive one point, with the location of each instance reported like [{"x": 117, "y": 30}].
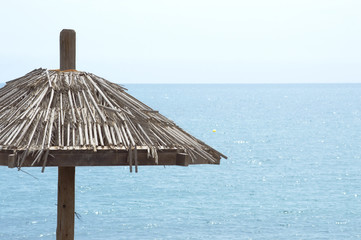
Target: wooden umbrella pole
[
  {"x": 66, "y": 175},
  {"x": 66, "y": 203},
  {"x": 67, "y": 49}
]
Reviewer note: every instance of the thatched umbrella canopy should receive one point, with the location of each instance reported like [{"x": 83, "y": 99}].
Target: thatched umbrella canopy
[
  {"x": 70, "y": 118},
  {"x": 62, "y": 112}
]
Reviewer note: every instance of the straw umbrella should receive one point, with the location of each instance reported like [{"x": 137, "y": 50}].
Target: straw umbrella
[{"x": 67, "y": 118}]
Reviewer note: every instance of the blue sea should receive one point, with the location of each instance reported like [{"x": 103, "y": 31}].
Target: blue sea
[{"x": 293, "y": 172}]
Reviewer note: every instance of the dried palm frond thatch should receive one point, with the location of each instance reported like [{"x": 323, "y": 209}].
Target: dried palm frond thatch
[{"x": 73, "y": 110}]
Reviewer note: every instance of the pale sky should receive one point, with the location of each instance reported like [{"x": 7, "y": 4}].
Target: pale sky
[{"x": 188, "y": 41}]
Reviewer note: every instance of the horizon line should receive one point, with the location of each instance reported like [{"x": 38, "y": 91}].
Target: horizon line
[{"x": 231, "y": 83}]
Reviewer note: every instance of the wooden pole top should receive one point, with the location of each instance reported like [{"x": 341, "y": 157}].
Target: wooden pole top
[{"x": 67, "y": 49}]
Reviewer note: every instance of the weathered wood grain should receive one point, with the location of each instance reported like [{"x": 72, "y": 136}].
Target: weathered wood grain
[
  {"x": 67, "y": 49},
  {"x": 66, "y": 203},
  {"x": 63, "y": 158}
]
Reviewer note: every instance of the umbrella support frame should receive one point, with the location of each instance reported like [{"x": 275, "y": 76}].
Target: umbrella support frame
[{"x": 66, "y": 203}]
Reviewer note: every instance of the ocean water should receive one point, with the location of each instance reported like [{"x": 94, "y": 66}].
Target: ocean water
[{"x": 293, "y": 172}]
